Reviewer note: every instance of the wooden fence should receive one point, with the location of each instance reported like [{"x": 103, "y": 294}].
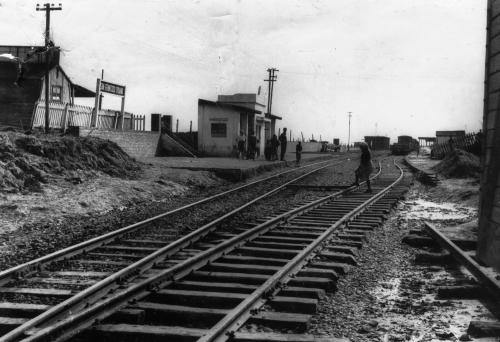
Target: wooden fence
[
  {"x": 64, "y": 115},
  {"x": 471, "y": 142}
]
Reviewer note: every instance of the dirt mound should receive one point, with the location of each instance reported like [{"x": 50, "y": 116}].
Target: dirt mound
[
  {"x": 459, "y": 164},
  {"x": 26, "y": 161}
]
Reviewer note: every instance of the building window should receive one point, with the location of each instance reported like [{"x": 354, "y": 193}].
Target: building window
[
  {"x": 56, "y": 94},
  {"x": 218, "y": 130}
]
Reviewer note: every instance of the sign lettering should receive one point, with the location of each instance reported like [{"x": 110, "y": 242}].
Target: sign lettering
[{"x": 112, "y": 88}]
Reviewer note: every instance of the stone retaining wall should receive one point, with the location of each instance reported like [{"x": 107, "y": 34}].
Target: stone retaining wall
[{"x": 136, "y": 144}]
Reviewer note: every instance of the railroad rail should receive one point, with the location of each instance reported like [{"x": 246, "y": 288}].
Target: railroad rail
[
  {"x": 135, "y": 254},
  {"x": 462, "y": 257},
  {"x": 224, "y": 278},
  {"x": 484, "y": 286}
]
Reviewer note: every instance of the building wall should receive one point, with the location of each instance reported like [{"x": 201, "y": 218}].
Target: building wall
[
  {"x": 16, "y": 103},
  {"x": 135, "y": 144},
  {"x": 489, "y": 206},
  {"x": 307, "y": 147},
  {"x": 444, "y": 137},
  {"x": 261, "y": 138},
  {"x": 57, "y": 78},
  {"x": 217, "y": 146}
]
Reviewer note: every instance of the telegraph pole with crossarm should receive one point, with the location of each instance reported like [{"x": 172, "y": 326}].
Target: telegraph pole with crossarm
[
  {"x": 272, "y": 78},
  {"x": 47, "y": 8}
]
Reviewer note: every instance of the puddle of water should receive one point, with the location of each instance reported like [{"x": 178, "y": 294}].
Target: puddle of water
[
  {"x": 422, "y": 209},
  {"x": 436, "y": 315}
]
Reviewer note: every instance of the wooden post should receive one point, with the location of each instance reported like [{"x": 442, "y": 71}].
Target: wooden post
[
  {"x": 115, "y": 126},
  {"x": 122, "y": 113},
  {"x": 93, "y": 121},
  {"x": 190, "y": 126},
  {"x": 290, "y": 135},
  {"x": 177, "y": 126},
  {"x": 131, "y": 122},
  {"x": 64, "y": 120}
]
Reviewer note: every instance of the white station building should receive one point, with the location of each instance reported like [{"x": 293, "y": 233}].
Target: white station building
[{"x": 219, "y": 124}]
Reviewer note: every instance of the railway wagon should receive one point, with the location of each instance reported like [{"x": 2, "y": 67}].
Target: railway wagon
[
  {"x": 377, "y": 142},
  {"x": 405, "y": 145}
]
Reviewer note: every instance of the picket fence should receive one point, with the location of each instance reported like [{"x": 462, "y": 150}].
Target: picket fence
[{"x": 64, "y": 115}]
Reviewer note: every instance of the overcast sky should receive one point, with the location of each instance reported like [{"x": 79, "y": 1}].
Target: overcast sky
[{"x": 400, "y": 66}]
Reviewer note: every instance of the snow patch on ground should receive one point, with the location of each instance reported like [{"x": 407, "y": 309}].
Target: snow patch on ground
[{"x": 431, "y": 211}]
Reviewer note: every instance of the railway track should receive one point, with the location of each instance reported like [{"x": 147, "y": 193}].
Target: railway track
[
  {"x": 269, "y": 272},
  {"x": 37, "y": 290}
]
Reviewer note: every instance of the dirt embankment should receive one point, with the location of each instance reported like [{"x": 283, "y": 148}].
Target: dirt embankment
[
  {"x": 459, "y": 164},
  {"x": 27, "y": 161},
  {"x": 48, "y": 179}
]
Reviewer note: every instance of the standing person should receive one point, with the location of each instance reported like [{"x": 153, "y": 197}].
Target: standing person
[
  {"x": 252, "y": 145},
  {"x": 365, "y": 167},
  {"x": 283, "y": 144},
  {"x": 451, "y": 143},
  {"x": 241, "y": 144},
  {"x": 298, "y": 153},
  {"x": 274, "y": 147}
]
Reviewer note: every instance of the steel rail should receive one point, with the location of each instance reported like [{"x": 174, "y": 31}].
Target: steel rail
[
  {"x": 93, "y": 243},
  {"x": 86, "y": 315},
  {"x": 470, "y": 264},
  {"x": 97, "y": 290},
  {"x": 221, "y": 331}
]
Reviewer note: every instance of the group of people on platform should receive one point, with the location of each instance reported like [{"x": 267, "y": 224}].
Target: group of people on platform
[
  {"x": 271, "y": 151},
  {"x": 362, "y": 173}
]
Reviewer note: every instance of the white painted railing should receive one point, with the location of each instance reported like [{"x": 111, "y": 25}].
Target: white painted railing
[{"x": 64, "y": 115}]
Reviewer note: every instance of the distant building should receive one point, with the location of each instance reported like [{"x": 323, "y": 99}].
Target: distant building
[
  {"x": 220, "y": 122},
  {"x": 426, "y": 141},
  {"x": 444, "y": 136},
  {"x": 22, "y": 75},
  {"x": 378, "y": 142}
]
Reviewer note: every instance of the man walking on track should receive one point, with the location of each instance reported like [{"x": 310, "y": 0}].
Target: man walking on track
[{"x": 283, "y": 144}]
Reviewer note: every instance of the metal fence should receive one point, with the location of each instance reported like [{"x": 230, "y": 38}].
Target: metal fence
[{"x": 64, "y": 115}]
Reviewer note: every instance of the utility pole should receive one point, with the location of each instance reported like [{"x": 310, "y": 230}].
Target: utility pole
[
  {"x": 349, "y": 136},
  {"x": 47, "y": 8},
  {"x": 101, "y": 96},
  {"x": 270, "y": 88}
]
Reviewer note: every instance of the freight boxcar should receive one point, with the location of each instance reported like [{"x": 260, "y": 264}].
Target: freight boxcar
[{"x": 405, "y": 145}]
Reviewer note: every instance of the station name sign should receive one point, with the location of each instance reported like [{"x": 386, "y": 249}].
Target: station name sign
[{"x": 112, "y": 88}]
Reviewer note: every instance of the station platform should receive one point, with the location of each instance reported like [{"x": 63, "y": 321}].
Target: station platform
[
  {"x": 232, "y": 168},
  {"x": 423, "y": 165}
]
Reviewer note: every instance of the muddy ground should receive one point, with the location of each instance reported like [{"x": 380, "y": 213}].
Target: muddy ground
[{"x": 390, "y": 298}]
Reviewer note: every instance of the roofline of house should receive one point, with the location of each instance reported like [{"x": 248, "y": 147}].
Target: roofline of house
[{"x": 227, "y": 105}]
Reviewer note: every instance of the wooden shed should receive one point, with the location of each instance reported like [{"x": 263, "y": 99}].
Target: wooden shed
[{"x": 22, "y": 75}]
